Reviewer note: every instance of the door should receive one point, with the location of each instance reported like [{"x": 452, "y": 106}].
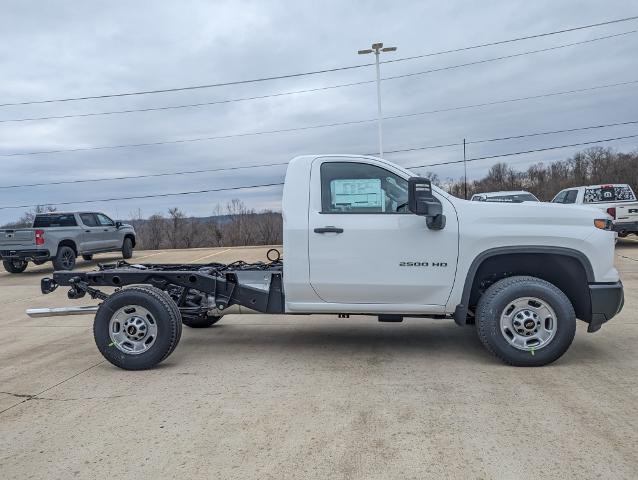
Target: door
[
  {"x": 366, "y": 247},
  {"x": 110, "y": 233},
  {"x": 92, "y": 233}
]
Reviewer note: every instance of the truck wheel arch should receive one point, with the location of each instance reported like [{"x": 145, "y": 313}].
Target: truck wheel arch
[
  {"x": 68, "y": 243},
  {"x": 131, "y": 236},
  {"x": 572, "y": 277}
]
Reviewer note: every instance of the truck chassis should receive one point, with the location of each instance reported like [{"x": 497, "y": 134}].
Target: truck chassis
[{"x": 196, "y": 289}]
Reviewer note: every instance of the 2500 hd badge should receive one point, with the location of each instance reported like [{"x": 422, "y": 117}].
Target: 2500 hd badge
[{"x": 422, "y": 264}]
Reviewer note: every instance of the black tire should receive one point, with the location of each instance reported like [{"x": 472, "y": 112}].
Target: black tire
[
  {"x": 175, "y": 310},
  {"x": 199, "y": 322},
  {"x": 127, "y": 248},
  {"x": 65, "y": 259},
  {"x": 494, "y": 302},
  {"x": 164, "y": 313},
  {"x": 87, "y": 256},
  {"x": 15, "y": 266}
]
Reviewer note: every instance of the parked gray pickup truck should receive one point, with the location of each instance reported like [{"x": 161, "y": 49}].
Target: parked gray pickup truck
[{"x": 61, "y": 238}]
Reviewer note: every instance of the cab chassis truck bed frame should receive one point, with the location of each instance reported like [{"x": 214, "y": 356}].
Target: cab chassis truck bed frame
[{"x": 255, "y": 286}]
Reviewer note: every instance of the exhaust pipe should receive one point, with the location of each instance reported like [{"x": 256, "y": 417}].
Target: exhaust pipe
[{"x": 61, "y": 311}]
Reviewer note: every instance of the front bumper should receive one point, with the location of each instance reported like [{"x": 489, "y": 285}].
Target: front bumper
[
  {"x": 28, "y": 255},
  {"x": 607, "y": 300},
  {"x": 628, "y": 227}
]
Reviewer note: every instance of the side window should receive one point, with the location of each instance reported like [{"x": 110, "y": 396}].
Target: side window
[
  {"x": 350, "y": 187},
  {"x": 88, "y": 219},
  {"x": 560, "y": 198},
  {"x": 570, "y": 196},
  {"x": 104, "y": 221}
]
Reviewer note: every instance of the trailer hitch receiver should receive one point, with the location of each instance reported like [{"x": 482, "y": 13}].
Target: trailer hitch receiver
[{"x": 48, "y": 285}]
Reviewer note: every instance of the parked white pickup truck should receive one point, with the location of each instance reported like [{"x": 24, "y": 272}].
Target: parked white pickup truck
[
  {"x": 618, "y": 200},
  {"x": 365, "y": 236}
]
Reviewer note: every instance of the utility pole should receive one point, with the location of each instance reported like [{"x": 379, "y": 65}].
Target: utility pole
[
  {"x": 377, "y": 48},
  {"x": 465, "y": 172}
]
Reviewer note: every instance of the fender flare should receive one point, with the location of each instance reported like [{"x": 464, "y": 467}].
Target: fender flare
[{"x": 460, "y": 312}]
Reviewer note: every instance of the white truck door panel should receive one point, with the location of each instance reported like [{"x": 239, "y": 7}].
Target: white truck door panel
[{"x": 362, "y": 251}]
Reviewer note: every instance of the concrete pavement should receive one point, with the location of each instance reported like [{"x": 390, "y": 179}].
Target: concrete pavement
[{"x": 311, "y": 397}]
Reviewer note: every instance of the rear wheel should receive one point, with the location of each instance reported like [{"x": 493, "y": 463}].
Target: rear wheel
[
  {"x": 65, "y": 259},
  {"x": 127, "y": 248},
  {"x": 15, "y": 266},
  {"x": 200, "y": 322},
  {"x": 137, "y": 327},
  {"x": 87, "y": 256},
  {"x": 525, "y": 321}
]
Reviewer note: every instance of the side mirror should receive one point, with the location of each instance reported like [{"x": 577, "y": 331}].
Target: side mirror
[
  {"x": 421, "y": 201},
  {"x": 118, "y": 224}
]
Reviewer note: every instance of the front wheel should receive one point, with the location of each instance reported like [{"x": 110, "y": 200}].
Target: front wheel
[
  {"x": 525, "y": 321},
  {"x": 127, "y": 249},
  {"x": 137, "y": 327},
  {"x": 15, "y": 266}
]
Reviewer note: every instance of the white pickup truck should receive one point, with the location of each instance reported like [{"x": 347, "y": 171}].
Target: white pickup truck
[
  {"x": 618, "y": 200},
  {"x": 365, "y": 236}
]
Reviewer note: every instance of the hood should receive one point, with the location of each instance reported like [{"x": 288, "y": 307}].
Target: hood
[{"x": 530, "y": 213}]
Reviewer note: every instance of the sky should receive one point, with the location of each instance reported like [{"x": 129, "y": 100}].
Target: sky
[{"x": 53, "y": 50}]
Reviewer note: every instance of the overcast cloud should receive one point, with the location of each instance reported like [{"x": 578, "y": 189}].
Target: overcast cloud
[{"x": 75, "y": 48}]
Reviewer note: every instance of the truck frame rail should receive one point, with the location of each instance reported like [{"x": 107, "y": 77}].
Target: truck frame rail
[{"x": 197, "y": 289}]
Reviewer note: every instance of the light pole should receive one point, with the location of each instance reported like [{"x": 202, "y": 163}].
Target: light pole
[{"x": 377, "y": 48}]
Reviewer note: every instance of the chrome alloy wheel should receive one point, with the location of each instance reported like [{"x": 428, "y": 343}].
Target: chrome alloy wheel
[
  {"x": 133, "y": 329},
  {"x": 528, "y": 323}
]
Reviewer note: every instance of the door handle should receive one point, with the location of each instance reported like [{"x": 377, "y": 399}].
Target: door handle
[
  {"x": 329, "y": 229},
  {"x": 106, "y": 229},
  {"x": 87, "y": 231}
]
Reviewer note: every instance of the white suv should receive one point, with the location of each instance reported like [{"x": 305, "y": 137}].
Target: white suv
[{"x": 515, "y": 196}]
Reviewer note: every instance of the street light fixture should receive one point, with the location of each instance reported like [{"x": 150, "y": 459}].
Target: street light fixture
[{"x": 377, "y": 48}]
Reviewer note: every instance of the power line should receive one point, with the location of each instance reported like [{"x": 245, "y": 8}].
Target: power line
[
  {"x": 525, "y": 152},
  {"x": 315, "y": 72},
  {"x": 295, "y": 92},
  {"x": 188, "y": 105},
  {"x": 194, "y": 192},
  {"x": 157, "y": 195},
  {"x": 149, "y": 175},
  {"x": 504, "y": 57},
  {"x": 514, "y": 137},
  {"x": 311, "y": 127},
  {"x": 188, "y": 140},
  {"x": 518, "y": 39},
  {"x": 279, "y": 164}
]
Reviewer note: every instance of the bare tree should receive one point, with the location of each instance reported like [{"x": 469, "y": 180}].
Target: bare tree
[{"x": 26, "y": 220}]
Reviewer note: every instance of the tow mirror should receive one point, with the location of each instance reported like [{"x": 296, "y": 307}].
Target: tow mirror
[{"x": 421, "y": 201}]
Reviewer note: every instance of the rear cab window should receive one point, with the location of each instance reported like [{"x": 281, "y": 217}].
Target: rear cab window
[
  {"x": 609, "y": 193},
  {"x": 55, "y": 220},
  {"x": 349, "y": 187}
]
